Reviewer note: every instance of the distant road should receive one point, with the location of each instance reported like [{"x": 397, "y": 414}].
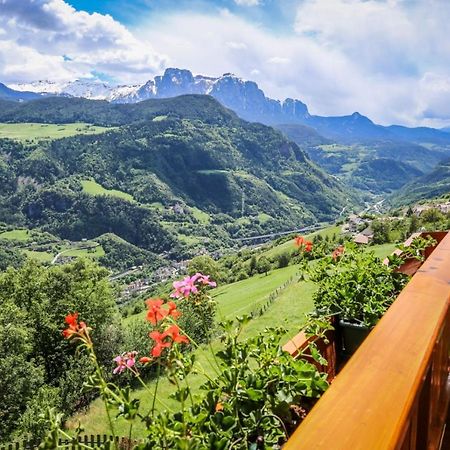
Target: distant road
[
  {"x": 282, "y": 233},
  {"x": 123, "y": 273}
]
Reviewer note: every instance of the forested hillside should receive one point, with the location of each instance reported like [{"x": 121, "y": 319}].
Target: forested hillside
[
  {"x": 171, "y": 172},
  {"x": 433, "y": 184}
]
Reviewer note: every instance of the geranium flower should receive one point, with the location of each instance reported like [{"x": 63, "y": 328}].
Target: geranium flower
[
  {"x": 173, "y": 312},
  {"x": 185, "y": 287},
  {"x": 145, "y": 360},
  {"x": 338, "y": 252},
  {"x": 74, "y": 327},
  {"x": 160, "y": 343},
  {"x": 308, "y": 246},
  {"x": 155, "y": 311},
  {"x": 125, "y": 361},
  {"x": 204, "y": 279},
  {"x": 189, "y": 285},
  {"x": 174, "y": 333},
  {"x": 298, "y": 241}
]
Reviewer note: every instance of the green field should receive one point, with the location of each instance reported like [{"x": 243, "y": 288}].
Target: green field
[
  {"x": 93, "y": 188},
  {"x": 43, "y": 257},
  {"x": 93, "y": 252},
  {"x": 16, "y": 235},
  {"x": 44, "y": 131},
  {"x": 200, "y": 215}
]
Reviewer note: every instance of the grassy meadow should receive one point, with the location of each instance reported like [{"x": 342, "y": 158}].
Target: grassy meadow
[
  {"x": 93, "y": 188},
  {"x": 45, "y": 131}
]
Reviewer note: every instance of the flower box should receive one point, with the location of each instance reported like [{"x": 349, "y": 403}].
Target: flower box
[{"x": 351, "y": 337}]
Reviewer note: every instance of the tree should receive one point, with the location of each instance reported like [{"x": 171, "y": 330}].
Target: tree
[
  {"x": 21, "y": 375},
  {"x": 33, "y": 304},
  {"x": 283, "y": 259},
  {"x": 206, "y": 265},
  {"x": 414, "y": 224},
  {"x": 381, "y": 231},
  {"x": 432, "y": 215},
  {"x": 253, "y": 265},
  {"x": 263, "y": 265}
]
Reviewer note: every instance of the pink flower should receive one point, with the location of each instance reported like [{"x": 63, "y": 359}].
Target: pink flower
[
  {"x": 338, "y": 252},
  {"x": 184, "y": 287},
  {"x": 204, "y": 279},
  {"x": 190, "y": 285},
  {"x": 124, "y": 361}
]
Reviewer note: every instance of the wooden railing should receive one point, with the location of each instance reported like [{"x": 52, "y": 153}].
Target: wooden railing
[{"x": 393, "y": 393}]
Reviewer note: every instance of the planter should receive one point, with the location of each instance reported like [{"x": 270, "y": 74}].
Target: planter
[{"x": 352, "y": 335}]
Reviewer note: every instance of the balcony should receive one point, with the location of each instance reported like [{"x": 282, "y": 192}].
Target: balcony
[{"x": 394, "y": 391}]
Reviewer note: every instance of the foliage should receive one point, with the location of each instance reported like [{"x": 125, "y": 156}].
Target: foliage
[
  {"x": 259, "y": 396},
  {"x": 263, "y": 265},
  {"x": 10, "y": 257},
  {"x": 204, "y": 264},
  {"x": 356, "y": 285},
  {"x": 33, "y": 302},
  {"x": 41, "y": 184},
  {"x": 121, "y": 255}
]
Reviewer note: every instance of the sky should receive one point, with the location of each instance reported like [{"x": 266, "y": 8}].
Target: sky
[{"x": 387, "y": 59}]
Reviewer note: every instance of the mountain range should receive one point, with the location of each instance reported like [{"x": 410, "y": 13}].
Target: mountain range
[
  {"x": 242, "y": 96},
  {"x": 371, "y": 158}
]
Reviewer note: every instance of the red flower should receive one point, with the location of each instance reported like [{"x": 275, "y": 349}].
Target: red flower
[
  {"x": 145, "y": 360},
  {"x": 155, "y": 311},
  {"x": 74, "y": 326},
  {"x": 299, "y": 241},
  {"x": 174, "y": 333},
  {"x": 338, "y": 252},
  {"x": 308, "y": 246},
  {"x": 173, "y": 312},
  {"x": 71, "y": 319},
  {"x": 160, "y": 343}
]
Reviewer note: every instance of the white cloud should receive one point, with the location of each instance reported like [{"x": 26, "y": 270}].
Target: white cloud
[
  {"x": 46, "y": 30},
  {"x": 388, "y": 59},
  {"x": 236, "y": 45},
  {"x": 247, "y": 2},
  {"x": 342, "y": 56},
  {"x": 278, "y": 60}
]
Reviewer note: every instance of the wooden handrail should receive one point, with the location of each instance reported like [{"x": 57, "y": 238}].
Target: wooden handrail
[{"x": 393, "y": 392}]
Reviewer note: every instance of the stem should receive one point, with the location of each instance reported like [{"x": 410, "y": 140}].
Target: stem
[
  {"x": 156, "y": 388},
  {"x": 152, "y": 393},
  {"x": 103, "y": 385},
  {"x": 110, "y": 422},
  {"x": 129, "y": 435},
  {"x": 182, "y": 406}
]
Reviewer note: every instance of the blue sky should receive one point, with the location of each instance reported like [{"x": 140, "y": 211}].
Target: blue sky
[
  {"x": 387, "y": 59},
  {"x": 278, "y": 15}
]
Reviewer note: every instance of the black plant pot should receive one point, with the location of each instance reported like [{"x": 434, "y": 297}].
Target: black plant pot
[{"x": 352, "y": 335}]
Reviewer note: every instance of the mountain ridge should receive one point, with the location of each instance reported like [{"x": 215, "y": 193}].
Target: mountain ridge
[{"x": 246, "y": 99}]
